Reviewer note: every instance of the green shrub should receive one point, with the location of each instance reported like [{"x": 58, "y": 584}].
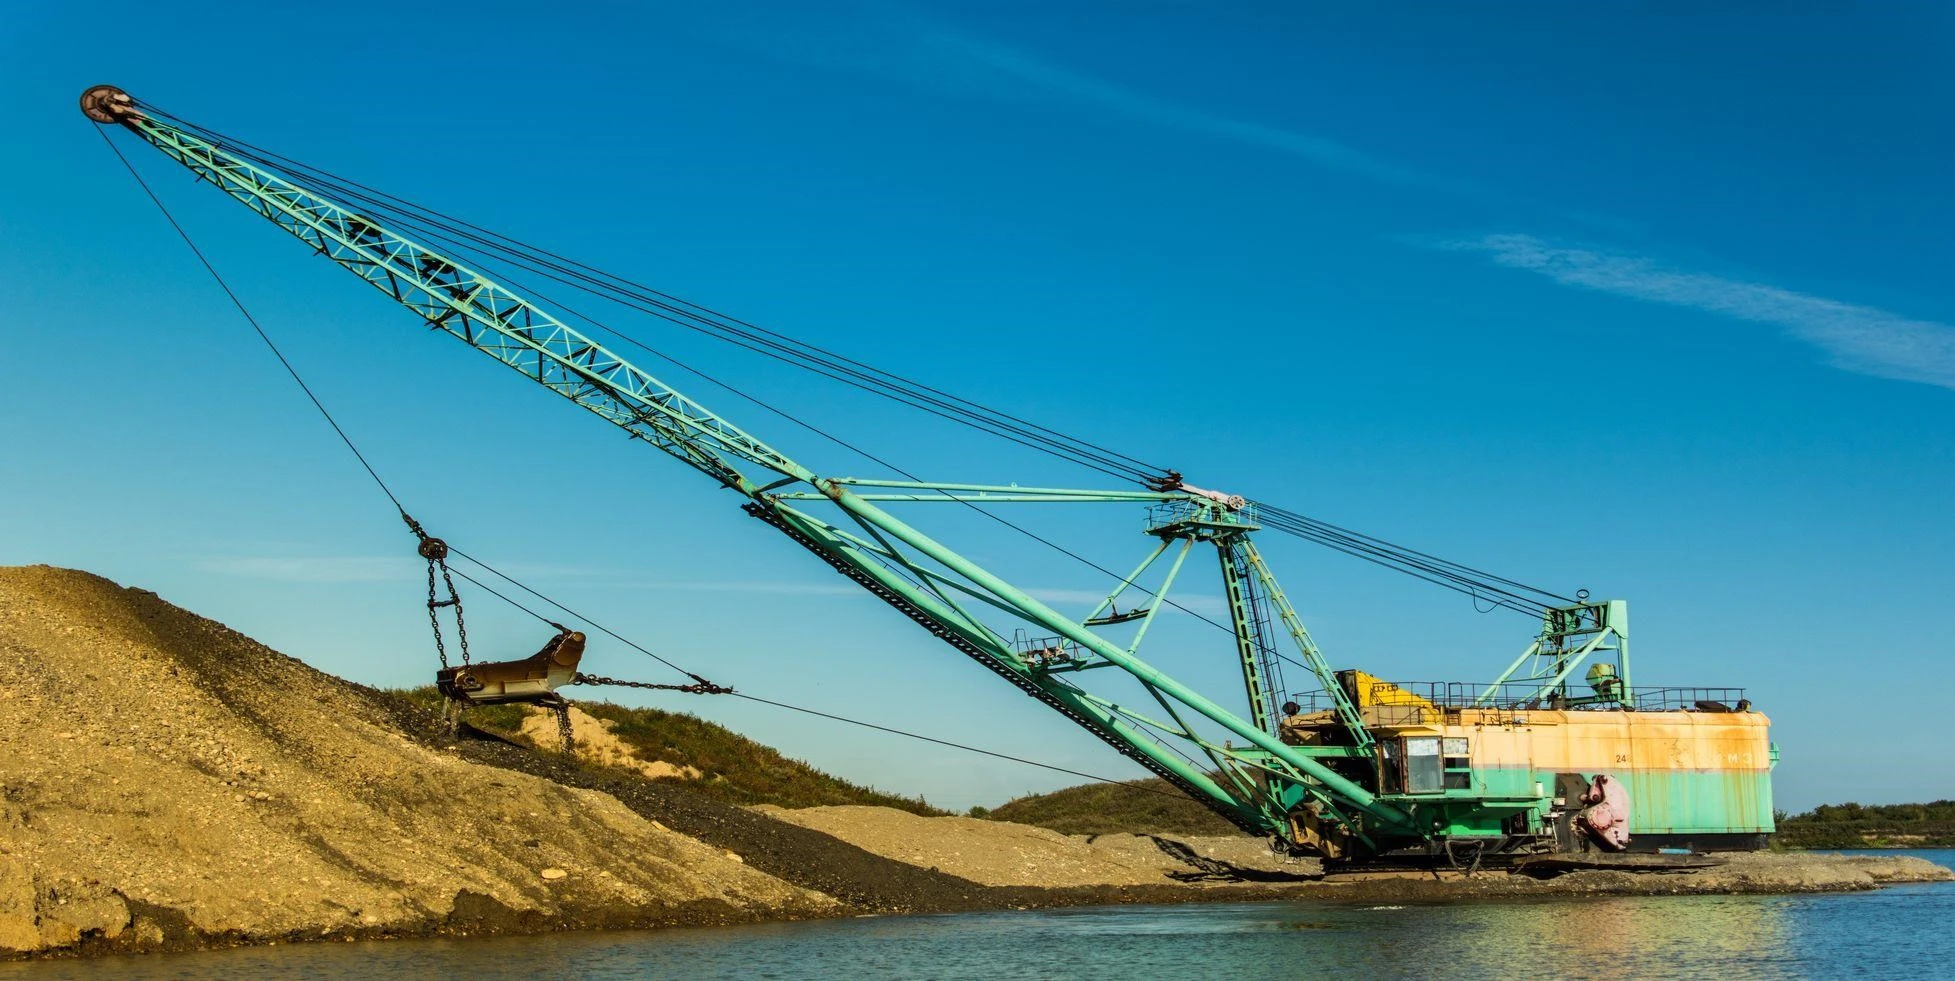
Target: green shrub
[
  {"x": 735, "y": 768},
  {"x": 1138, "y": 806}
]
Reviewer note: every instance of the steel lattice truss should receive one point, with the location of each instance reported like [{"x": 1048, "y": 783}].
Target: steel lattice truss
[{"x": 1237, "y": 767}]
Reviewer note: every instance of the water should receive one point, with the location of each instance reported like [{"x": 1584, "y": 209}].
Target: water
[{"x": 1900, "y": 932}]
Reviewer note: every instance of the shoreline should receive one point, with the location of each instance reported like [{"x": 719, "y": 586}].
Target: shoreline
[
  {"x": 862, "y": 883},
  {"x": 1865, "y": 848},
  {"x": 1754, "y": 874}
]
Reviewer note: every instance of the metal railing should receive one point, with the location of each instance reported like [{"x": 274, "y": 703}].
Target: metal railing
[
  {"x": 1044, "y": 652},
  {"x": 1518, "y": 696},
  {"x": 1690, "y": 699},
  {"x": 1181, "y": 512}
]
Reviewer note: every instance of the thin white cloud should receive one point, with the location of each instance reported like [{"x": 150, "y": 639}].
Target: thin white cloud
[
  {"x": 1091, "y": 90},
  {"x": 743, "y": 586},
  {"x": 368, "y": 568},
  {"x": 1865, "y": 340},
  {"x": 376, "y": 569},
  {"x": 916, "y": 49},
  {"x": 316, "y": 569}
]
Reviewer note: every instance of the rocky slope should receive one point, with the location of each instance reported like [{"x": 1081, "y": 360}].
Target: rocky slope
[{"x": 166, "y": 781}]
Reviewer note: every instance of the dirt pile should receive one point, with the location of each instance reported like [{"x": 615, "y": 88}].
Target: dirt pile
[
  {"x": 166, "y": 781},
  {"x": 994, "y": 853},
  {"x": 596, "y": 745},
  {"x": 1000, "y": 853}
]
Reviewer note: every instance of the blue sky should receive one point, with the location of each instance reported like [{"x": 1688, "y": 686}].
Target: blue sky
[{"x": 1638, "y": 300}]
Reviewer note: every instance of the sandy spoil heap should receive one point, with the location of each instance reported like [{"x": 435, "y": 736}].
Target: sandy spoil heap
[
  {"x": 597, "y": 746},
  {"x": 165, "y": 780},
  {"x": 1000, "y": 853},
  {"x": 990, "y": 852}
]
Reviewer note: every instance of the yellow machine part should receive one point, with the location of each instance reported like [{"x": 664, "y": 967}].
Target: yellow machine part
[
  {"x": 1379, "y": 702},
  {"x": 1369, "y": 689}
]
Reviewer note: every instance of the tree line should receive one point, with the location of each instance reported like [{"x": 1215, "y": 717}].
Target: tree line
[{"x": 1853, "y": 825}]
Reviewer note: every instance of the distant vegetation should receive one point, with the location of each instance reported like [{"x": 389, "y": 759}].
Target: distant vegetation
[
  {"x": 737, "y": 769},
  {"x": 1155, "y": 806},
  {"x": 1151, "y": 805},
  {"x": 1930, "y": 825}
]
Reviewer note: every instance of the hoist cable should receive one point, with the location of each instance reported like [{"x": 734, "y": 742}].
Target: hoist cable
[
  {"x": 492, "y": 591},
  {"x": 434, "y": 224},
  {"x": 695, "y": 316},
  {"x": 584, "y": 679},
  {"x": 1467, "y": 588},
  {"x": 900, "y": 471},
  {"x": 334, "y": 423},
  {"x": 1479, "y": 575},
  {"x": 457, "y": 233},
  {"x": 765, "y": 701},
  {"x": 893, "y": 467},
  {"x": 395, "y": 500},
  {"x": 625, "y": 338},
  {"x": 573, "y": 614},
  {"x": 857, "y": 380},
  {"x": 253, "y": 321},
  {"x": 1441, "y": 572},
  {"x": 1363, "y": 551},
  {"x": 973, "y": 749},
  {"x": 381, "y": 483}
]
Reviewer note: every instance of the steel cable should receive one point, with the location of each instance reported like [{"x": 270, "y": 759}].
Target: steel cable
[
  {"x": 702, "y": 685},
  {"x": 459, "y": 234},
  {"x": 694, "y": 316}
]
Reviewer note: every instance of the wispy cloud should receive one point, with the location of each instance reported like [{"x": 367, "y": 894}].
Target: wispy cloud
[
  {"x": 375, "y": 569},
  {"x": 769, "y": 587},
  {"x": 370, "y": 568},
  {"x": 907, "y": 46},
  {"x": 1089, "y": 90},
  {"x": 1866, "y": 340},
  {"x": 316, "y": 569}
]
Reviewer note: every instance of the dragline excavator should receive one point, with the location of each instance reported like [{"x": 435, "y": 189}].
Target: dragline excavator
[{"x": 1546, "y": 758}]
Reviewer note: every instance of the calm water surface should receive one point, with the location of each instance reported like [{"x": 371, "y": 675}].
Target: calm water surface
[{"x": 1901, "y": 932}]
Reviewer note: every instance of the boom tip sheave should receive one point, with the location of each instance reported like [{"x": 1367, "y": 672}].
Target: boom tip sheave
[{"x": 108, "y": 104}]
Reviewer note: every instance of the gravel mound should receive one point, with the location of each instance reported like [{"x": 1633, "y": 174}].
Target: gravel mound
[
  {"x": 994, "y": 853},
  {"x": 167, "y": 782},
  {"x": 1000, "y": 853},
  {"x": 597, "y": 745}
]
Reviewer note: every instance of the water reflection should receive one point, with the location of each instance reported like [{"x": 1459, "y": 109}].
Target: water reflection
[
  {"x": 1898, "y": 932},
  {"x": 1731, "y": 937}
]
